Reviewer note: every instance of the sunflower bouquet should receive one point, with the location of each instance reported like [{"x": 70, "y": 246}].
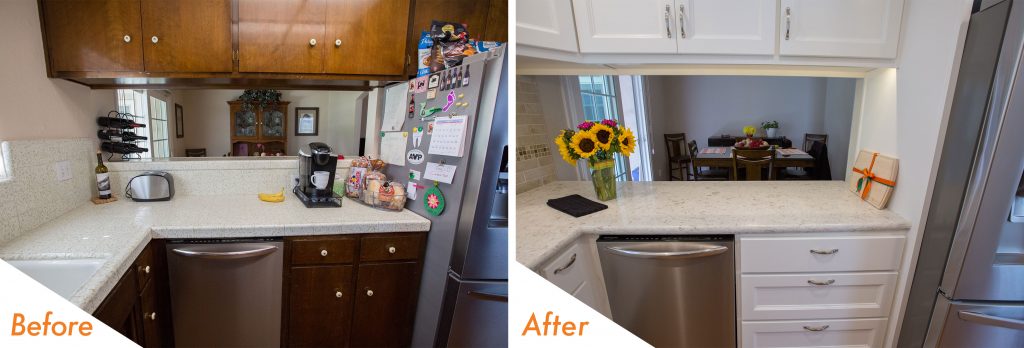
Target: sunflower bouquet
[{"x": 597, "y": 142}]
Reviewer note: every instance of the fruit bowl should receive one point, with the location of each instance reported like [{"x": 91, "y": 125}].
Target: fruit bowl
[{"x": 751, "y": 144}]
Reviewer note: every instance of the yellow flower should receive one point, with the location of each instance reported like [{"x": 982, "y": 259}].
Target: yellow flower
[
  {"x": 563, "y": 148},
  {"x": 627, "y": 142},
  {"x": 603, "y": 134},
  {"x": 584, "y": 143}
]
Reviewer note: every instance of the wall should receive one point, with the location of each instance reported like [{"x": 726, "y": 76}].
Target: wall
[
  {"x": 556, "y": 118},
  {"x": 534, "y": 157},
  {"x": 840, "y": 95},
  {"x": 207, "y": 119}
]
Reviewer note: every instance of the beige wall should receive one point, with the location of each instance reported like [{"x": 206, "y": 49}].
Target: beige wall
[{"x": 207, "y": 119}]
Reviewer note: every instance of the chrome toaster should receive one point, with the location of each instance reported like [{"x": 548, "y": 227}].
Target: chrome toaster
[{"x": 150, "y": 187}]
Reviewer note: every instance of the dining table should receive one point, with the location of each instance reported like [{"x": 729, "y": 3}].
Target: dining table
[{"x": 721, "y": 157}]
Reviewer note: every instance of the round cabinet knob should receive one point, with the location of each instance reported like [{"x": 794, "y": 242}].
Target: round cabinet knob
[
  {"x": 323, "y": 252},
  {"x": 127, "y": 38},
  {"x": 154, "y": 39},
  {"x": 337, "y": 42},
  {"x": 145, "y": 269},
  {"x": 312, "y": 42},
  {"x": 369, "y": 292},
  {"x": 152, "y": 316},
  {"x": 392, "y": 250}
]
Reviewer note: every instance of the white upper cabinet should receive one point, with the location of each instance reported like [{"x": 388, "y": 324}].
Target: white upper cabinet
[
  {"x": 726, "y": 26},
  {"x": 840, "y": 28},
  {"x": 546, "y": 23},
  {"x": 617, "y": 26}
]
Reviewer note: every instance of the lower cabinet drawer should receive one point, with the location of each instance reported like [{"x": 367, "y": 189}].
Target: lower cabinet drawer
[
  {"x": 816, "y": 295},
  {"x": 814, "y": 333},
  {"x": 820, "y": 254}
]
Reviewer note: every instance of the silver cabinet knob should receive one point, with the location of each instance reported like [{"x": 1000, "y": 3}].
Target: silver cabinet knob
[
  {"x": 312, "y": 42},
  {"x": 323, "y": 252},
  {"x": 337, "y": 294},
  {"x": 337, "y": 42},
  {"x": 154, "y": 39},
  {"x": 152, "y": 316},
  {"x": 145, "y": 269},
  {"x": 392, "y": 250},
  {"x": 369, "y": 292},
  {"x": 127, "y": 38}
]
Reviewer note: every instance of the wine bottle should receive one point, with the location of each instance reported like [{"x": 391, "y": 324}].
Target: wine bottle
[
  {"x": 102, "y": 177},
  {"x": 117, "y": 123},
  {"x": 465, "y": 77},
  {"x": 119, "y": 136},
  {"x": 122, "y": 148},
  {"x": 458, "y": 78}
]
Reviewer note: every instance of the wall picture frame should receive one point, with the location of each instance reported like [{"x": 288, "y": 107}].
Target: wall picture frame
[
  {"x": 179, "y": 121},
  {"x": 307, "y": 121}
]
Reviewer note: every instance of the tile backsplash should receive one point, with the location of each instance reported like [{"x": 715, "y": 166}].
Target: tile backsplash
[
  {"x": 217, "y": 176},
  {"x": 534, "y": 160}
]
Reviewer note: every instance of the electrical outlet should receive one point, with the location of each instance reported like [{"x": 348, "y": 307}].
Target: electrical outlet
[{"x": 63, "y": 170}]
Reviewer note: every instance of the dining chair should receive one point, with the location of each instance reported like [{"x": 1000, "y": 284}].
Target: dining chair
[
  {"x": 678, "y": 159},
  {"x": 752, "y": 161},
  {"x": 195, "y": 152},
  {"x": 810, "y": 138},
  {"x": 701, "y": 173}
]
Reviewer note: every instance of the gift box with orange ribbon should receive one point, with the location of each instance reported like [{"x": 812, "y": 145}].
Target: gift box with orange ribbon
[{"x": 874, "y": 177}]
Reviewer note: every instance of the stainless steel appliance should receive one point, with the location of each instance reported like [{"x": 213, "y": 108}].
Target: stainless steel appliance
[
  {"x": 465, "y": 271},
  {"x": 150, "y": 187},
  {"x": 672, "y": 291},
  {"x": 319, "y": 159},
  {"x": 226, "y": 293},
  {"x": 968, "y": 287}
]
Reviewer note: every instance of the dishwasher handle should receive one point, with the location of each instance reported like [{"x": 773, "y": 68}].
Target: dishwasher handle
[
  {"x": 226, "y": 255},
  {"x": 689, "y": 254}
]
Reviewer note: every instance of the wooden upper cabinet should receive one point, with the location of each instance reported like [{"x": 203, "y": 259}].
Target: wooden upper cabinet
[
  {"x": 473, "y": 13},
  {"x": 187, "y": 35},
  {"x": 366, "y": 37},
  {"x": 281, "y": 36},
  {"x": 93, "y": 35}
]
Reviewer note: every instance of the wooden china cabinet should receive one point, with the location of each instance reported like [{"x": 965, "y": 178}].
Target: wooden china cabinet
[{"x": 267, "y": 126}]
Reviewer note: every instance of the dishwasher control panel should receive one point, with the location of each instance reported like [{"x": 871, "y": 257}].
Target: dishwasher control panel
[{"x": 665, "y": 238}]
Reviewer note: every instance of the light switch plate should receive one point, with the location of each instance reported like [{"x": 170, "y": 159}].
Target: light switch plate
[{"x": 63, "y": 169}]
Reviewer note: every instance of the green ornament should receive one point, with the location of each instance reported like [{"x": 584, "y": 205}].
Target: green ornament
[{"x": 433, "y": 201}]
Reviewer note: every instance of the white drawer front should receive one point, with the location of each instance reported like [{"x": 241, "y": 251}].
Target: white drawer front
[
  {"x": 833, "y": 333},
  {"x": 568, "y": 270},
  {"x": 816, "y": 295},
  {"x": 820, "y": 254}
]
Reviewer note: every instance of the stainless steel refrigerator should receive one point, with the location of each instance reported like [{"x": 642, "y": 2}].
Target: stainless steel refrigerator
[
  {"x": 464, "y": 291},
  {"x": 968, "y": 287}
]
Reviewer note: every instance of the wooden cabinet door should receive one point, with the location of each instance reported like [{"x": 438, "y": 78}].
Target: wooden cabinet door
[
  {"x": 244, "y": 123},
  {"x": 187, "y": 35},
  {"x": 366, "y": 37},
  {"x": 320, "y": 306},
  {"x": 726, "y": 26},
  {"x": 473, "y": 13},
  {"x": 120, "y": 310},
  {"x": 615, "y": 26},
  {"x": 385, "y": 304},
  {"x": 274, "y": 123},
  {"x": 547, "y": 24},
  {"x": 281, "y": 36},
  {"x": 93, "y": 35},
  {"x": 840, "y": 28}
]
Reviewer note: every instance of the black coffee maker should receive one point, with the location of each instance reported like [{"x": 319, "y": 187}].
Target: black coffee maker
[{"x": 312, "y": 167}]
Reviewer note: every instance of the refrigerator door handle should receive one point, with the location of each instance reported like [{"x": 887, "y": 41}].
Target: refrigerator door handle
[
  {"x": 489, "y": 296},
  {"x": 991, "y": 320}
]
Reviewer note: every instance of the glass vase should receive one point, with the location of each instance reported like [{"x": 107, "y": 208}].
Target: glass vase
[{"x": 603, "y": 176}]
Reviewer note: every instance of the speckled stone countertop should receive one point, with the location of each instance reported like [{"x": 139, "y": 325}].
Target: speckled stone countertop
[
  {"x": 119, "y": 231},
  {"x": 706, "y": 207}
]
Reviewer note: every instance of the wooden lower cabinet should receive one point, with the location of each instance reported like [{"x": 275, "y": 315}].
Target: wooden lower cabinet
[
  {"x": 121, "y": 310},
  {"x": 385, "y": 304},
  {"x": 320, "y": 310},
  {"x": 139, "y": 305}
]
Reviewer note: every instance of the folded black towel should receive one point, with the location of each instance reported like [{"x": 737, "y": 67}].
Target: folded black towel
[{"x": 576, "y": 205}]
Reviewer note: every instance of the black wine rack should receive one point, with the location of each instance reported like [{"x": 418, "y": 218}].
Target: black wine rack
[{"x": 125, "y": 116}]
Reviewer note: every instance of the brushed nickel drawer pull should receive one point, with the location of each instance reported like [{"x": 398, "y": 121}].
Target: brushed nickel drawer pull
[
  {"x": 818, "y": 282},
  {"x": 668, "y": 21},
  {"x": 824, "y": 252},
  {"x": 571, "y": 261},
  {"x": 818, "y": 328}
]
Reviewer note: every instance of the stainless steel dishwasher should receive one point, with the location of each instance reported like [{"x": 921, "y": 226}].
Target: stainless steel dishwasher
[
  {"x": 226, "y": 293},
  {"x": 672, "y": 291}
]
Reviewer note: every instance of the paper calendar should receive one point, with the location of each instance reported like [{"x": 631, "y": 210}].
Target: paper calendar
[{"x": 449, "y": 136}]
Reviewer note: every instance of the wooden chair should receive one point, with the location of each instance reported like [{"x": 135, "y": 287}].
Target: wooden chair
[
  {"x": 810, "y": 138},
  {"x": 678, "y": 158},
  {"x": 195, "y": 152},
  {"x": 699, "y": 173},
  {"x": 753, "y": 161}
]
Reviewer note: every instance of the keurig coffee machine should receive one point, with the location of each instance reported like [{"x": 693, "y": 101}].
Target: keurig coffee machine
[{"x": 316, "y": 177}]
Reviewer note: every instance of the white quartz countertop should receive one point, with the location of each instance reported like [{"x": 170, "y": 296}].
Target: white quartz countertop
[
  {"x": 706, "y": 207},
  {"x": 119, "y": 231}
]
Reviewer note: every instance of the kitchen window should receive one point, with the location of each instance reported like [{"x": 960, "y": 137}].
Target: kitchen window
[
  {"x": 619, "y": 98},
  {"x": 150, "y": 109}
]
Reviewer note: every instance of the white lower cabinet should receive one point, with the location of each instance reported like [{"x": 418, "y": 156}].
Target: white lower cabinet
[
  {"x": 817, "y": 295},
  {"x": 814, "y": 333},
  {"x": 578, "y": 271}
]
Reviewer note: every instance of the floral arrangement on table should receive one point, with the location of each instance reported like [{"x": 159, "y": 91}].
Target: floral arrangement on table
[
  {"x": 751, "y": 143},
  {"x": 770, "y": 128},
  {"x": 597, "y": 142}
]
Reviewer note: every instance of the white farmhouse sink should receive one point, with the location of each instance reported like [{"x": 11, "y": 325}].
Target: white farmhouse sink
[{"x": 62, "y": 276}]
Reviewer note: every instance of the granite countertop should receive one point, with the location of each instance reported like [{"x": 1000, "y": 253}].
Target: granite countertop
[
  {"x": 119, "y": 231},
  {"x": 706, "y": 207}
]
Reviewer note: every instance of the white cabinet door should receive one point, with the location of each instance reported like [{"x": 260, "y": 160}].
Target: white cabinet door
[
  {"x": 816, "y": 295},
  {"x": 617, "y": 26},
  {"x": 546, "y": 23},
  {"x": 726, "y": 26},
  {"x": 814, "y": 333},
  {"x": 576, "y": 270},
  {"x": 820, "y": 253},
  {"x": 840, "y": 28}
]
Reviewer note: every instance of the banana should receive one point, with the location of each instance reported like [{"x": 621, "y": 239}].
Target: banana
[{"x": 273, "y": 197}]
